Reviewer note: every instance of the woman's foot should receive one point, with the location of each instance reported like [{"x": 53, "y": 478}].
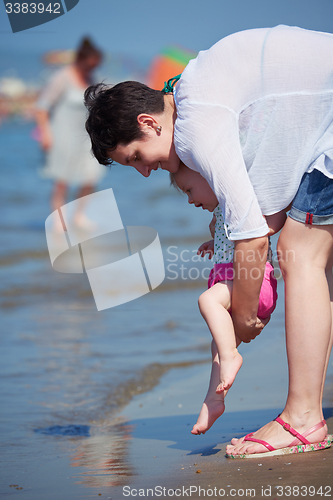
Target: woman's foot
[
  {"x": 81, "y": 221},
  {"x": 228, "y": 371},
  {"x": 275, "y": 434},
  {"x": 211, "y": 410}
]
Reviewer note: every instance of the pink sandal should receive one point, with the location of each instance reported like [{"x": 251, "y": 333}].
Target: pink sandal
[{"x": 293, "y": 447}]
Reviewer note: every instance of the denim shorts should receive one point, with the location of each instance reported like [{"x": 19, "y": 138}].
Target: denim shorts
[{"x": 313, "y": 203}]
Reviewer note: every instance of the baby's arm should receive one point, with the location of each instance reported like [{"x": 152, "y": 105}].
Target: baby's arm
[
  {"x": 212, "y": 226},
  {"x": 207, "y": 247}
]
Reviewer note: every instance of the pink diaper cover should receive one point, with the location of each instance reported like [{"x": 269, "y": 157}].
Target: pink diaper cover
[{"x": 268, "y": 292}]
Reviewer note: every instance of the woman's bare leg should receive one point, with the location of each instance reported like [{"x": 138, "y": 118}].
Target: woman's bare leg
[
  {"x": 329, "y": 276},
  {"x": 304, "y": 254},
  {"x": 85, "y": 190},
  {"x": 58, "y": 199},
  {"x": 80, "y": 219}
]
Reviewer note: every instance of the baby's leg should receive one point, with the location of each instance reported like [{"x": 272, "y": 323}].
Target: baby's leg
[
  {"x": 213, "y": 405},
  {"x": 214, "y": 304}
]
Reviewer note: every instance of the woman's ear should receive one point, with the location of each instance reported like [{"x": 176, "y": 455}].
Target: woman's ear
[{"x": 147, "y": 122}]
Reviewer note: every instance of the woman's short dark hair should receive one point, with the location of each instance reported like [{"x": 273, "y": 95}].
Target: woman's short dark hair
[{"x": 113, "y": 113}]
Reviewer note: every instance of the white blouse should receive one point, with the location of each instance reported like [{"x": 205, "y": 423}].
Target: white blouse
[{"x": 254, "y": 113}]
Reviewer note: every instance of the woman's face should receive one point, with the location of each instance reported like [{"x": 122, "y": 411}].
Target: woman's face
[
  {"x": 88, "y": 65},
  {"x": 153, "y": 151}
]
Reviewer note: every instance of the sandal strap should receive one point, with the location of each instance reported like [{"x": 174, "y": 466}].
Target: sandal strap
[
  {"x": 249, "y": 437},
  {"x": 299, "y": 436},
  {"x": 315, "y": 428},
  {"x": 310, "y": 431}
]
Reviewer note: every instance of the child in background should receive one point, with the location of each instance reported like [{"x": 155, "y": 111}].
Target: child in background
[{"x": 215, "y": 303}]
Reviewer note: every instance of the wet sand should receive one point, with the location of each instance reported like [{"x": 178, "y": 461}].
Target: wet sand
[
  {"x": 168, "y": 457},
  {"x": 307, "y": 475},
  {"x": 210, "y": 474}
]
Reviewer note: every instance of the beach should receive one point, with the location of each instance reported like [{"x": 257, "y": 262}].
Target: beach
[{"x": 100, "y": 404}]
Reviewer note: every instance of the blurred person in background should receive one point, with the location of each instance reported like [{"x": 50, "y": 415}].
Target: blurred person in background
[{"x": 60, "y": 117}]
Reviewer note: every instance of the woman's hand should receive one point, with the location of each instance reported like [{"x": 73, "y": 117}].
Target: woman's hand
[
  {"x": 45, "y": 139},
  {"x": 43, "y": 123},
  {"x": 249, "y": 268},
  {"x": 246, "y": 333},
  {"x": 207, "y": 247}
]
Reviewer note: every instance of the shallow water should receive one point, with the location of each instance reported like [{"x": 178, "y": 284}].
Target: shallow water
[
  {"x": 92, "y": 401},
  {"x": 67, "y": 370}
]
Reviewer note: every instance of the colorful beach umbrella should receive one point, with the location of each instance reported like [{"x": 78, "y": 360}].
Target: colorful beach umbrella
[{"x": 168, "y": 64}]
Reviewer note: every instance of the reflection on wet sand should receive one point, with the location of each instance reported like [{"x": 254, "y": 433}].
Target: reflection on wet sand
[
  {"x": 104, "y": 457},
  {"x": 104, "y": 454},
  {"x": 84, "y": 383}
]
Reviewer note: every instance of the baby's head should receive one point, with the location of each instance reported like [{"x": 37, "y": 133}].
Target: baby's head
[{"x": 195, "y": 186}]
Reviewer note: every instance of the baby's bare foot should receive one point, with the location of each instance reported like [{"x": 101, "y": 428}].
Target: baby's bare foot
[
  {"x": 228, "y": 371},
  {"x": 211, "y": 410}
]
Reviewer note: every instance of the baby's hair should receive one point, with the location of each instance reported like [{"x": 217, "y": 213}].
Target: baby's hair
[
  {"x": 172, "y": 179},
  {"x": 173, "y": 182}
]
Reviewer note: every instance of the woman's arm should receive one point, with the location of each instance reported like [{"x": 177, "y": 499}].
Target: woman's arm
[
  {"x": 46, "y": 102},
  {"x": 250, "y": 258},
  {"x": 276, "y": 221},
  {"x": 43, "y": 123}
]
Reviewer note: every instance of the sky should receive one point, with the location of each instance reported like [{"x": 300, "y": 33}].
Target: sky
[{"x": 140, "y": 29}]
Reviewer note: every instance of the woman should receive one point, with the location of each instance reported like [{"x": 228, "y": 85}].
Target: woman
[
  {"x": 253, "y": 115},
  {"x": 61, "y": 116}
]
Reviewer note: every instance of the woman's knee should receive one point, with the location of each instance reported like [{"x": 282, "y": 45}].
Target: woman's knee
[
  {"x": 60, "y": 188},
  {"x": 329, "y": 275},
  {"x": 301, "y": 246},
  {"x": 285, "y": 254}
]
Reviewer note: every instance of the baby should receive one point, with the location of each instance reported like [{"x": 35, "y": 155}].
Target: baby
[{"x": 215, "y": 303}]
